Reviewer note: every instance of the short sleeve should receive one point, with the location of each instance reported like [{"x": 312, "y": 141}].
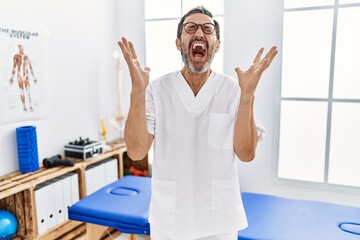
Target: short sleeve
[
  {"x": 261, "y": 131},
  {"x": 150, "y": 110}
]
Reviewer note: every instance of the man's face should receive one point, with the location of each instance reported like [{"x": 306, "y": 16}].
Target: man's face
[{"x": 198, "y": 49}]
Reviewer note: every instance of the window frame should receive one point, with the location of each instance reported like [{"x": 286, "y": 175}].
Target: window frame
[{"x": 330, "y": 100}]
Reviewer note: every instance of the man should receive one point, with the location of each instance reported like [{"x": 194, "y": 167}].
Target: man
[
  {"x": 199, "y": 120},
  {"x": 21, "y": 67}
]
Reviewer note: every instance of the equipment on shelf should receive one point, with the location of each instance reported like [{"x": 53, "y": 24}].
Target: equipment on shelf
[
  {"x": 8, "y": 225},
  {"x": 83, "y": 148},
  {"x": 57, "y": 161}
]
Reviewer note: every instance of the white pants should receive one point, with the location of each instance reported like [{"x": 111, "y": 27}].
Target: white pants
[{"x": 156, "y": 234}]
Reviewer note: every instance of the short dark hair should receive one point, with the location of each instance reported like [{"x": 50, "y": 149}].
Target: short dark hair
[{"x": 199, "y": 9}]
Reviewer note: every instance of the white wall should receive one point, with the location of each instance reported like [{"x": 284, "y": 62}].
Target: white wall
[
  {"x": 82, "y": 36},
  {"x": 81, "y": 77},
  {"x": 251, "y": 25}
]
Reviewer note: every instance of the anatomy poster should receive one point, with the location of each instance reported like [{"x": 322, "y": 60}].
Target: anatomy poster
[{"x": 22, "y": 74}]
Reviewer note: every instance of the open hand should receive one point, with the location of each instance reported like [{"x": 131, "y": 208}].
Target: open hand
[
  {"x": 139, "y": 76},
  {"x": 249, "y": 79}
]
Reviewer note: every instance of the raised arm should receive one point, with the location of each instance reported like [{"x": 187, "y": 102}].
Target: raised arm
[
  {"x": 245, "y": 133},
  {"x": 138, "y": 140}
]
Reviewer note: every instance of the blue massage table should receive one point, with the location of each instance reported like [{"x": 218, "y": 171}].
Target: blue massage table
[
  {"x": 278, "y": 218},
  {"x": 123, "y": 205}
]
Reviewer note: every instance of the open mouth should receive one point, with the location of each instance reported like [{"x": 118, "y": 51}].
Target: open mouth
[{"x": 198, "y": 49}]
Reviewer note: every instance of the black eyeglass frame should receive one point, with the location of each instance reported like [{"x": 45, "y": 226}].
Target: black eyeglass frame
[{"x": 201, "y": 26}]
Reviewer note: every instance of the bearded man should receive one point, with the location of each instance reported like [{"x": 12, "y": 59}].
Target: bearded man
[{"x": 200, "y": 122}]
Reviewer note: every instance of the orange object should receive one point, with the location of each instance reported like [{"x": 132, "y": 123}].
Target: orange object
[{"x": 137, "y": 172}]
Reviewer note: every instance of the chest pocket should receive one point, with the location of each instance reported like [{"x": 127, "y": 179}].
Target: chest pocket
[{"x": 221, "y": 130}]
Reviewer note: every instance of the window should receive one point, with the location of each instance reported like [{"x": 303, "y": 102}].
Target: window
[
  {"x": 162, "y": 55},
  {"x": 319, "y": 139}
]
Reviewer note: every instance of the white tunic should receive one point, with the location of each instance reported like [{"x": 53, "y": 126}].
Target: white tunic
[{"x": 195, "y": 190}]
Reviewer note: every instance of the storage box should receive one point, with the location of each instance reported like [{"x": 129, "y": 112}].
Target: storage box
[{"x": 83, "y": 151}]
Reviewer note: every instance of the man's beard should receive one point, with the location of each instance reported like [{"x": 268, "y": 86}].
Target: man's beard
[{"x": 198, "y": 70}]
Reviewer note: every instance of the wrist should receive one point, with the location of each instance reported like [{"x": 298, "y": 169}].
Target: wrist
[
  {"x": 247, "y": 97},
  {"x": 137, "y": 92}
]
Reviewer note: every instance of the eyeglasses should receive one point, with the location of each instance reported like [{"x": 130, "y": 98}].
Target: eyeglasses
[{"x": 191, "y": 27}]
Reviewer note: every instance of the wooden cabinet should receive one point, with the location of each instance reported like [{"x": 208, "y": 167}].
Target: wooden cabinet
[{"x": 17, "y": 194}]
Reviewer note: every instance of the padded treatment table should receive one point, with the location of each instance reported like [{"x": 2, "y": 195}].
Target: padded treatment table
[
  {"x": 278, "y": 218},
  {"x": 122, "y": 205}
]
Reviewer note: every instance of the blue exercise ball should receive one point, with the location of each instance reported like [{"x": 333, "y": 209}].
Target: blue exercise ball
[{"x": 8, "y": 224}]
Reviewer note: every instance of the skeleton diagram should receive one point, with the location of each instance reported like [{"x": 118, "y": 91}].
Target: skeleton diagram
[{"x": 21, "y": 68}]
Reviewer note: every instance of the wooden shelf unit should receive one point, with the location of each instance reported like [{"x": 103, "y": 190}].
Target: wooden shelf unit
[{"x": 17, "y": 194}]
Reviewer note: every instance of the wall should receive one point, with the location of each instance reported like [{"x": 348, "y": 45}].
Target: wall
[
  {"x": 255, "y": 24},
  {"x": 81, "y": 76},
  {"x": 82, "y": 36}
]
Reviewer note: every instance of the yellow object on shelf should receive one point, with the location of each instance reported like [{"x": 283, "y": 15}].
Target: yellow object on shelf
[{"x": 103, "y": 129}]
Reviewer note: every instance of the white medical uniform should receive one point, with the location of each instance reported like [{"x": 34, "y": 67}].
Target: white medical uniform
[{"x": 195, "y": 190}]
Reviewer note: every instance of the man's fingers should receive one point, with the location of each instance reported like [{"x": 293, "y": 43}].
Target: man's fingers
[
  {"x": 125, "y": 42},
  {"x": 270, "y": 51},
  {"x": 130, "y": 56},
  {"x": 132, "y": 49},
  {"x": 258, "y": 55},
  {"x": 238, "y": 70},
  {"x": 125, "y": 52},
  {"x": 271, "y": 55},
  {"x": 121, "y": 45},
  {"x": 264, "y": 64},
  {"x": 128, "y": 50}
]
